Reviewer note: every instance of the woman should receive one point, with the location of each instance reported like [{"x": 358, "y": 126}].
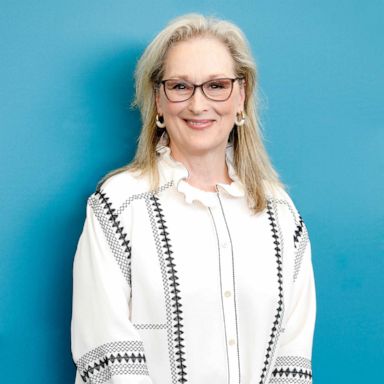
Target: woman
[{"x": 194, "y": 265}]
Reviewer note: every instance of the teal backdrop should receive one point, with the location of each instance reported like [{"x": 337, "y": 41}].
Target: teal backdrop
[{"x": 65, "y": 90}]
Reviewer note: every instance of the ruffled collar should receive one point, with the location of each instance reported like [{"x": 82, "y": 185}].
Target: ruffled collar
[{"x": 170, "y": 169}]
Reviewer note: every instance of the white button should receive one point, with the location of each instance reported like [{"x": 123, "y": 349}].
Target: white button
[
  {"x": 227, "y": 293},
  {"x": 231, "y": 342}
]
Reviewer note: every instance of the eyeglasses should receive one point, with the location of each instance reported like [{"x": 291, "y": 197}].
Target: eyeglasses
[{"x": 177, "y": 90}]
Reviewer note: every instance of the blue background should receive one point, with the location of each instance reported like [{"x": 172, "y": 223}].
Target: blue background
[{"x": 66, "y": 83}]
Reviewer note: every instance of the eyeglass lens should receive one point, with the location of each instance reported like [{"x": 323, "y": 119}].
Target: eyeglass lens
[{"x": 180, "y": 90}]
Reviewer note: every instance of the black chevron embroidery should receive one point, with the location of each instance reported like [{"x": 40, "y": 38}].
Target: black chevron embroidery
[
  {"x": 112, "y": 359},
  {"x": 174, "y": 291},
  {"x": 279, "y": 311},
  {"x": 298, "y": 231},
  {"x": 119, "y": 229},
  {"x": 292, "y": 372}
]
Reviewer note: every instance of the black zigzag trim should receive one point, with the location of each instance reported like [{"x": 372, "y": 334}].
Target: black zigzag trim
[
  {"x": 300, "y": 235},
  {"x": 173, "y": 288},
  {"x": 110, "y": 360},
  {"x": 113, "y": 218},
  {"x": 300, "y": 241},
  {"x": 292, "y": 372},
  {"x": 275, "y": 331},
  {"x": 292, "y": 369},
  {"x": 298, "y": 231},
  {"x": 115, "y": 358},
  {"x": 119, "y": 231}
]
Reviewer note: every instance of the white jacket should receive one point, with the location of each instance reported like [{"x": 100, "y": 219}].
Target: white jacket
[{"x": 179, "y": 285}]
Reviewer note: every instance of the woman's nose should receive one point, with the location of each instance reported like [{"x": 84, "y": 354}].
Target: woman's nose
[{"x": 198, "y": 102}]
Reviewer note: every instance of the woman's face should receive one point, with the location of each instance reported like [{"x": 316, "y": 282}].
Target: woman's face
[{"x": 199, "y": 125}]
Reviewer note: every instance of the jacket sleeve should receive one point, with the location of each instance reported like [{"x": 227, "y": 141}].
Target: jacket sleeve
[
  {"x": 106, "y": 347},
  {"x": 293, "y": 358}
]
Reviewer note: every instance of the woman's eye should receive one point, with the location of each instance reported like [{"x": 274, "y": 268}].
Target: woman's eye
[
  {"x": 178, "y": 86},
  {"x": 216, "y": 85}
]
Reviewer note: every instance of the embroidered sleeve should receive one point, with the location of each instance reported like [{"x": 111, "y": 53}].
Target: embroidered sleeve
[
  {"x": 106, "y": 347},
  {"x": 293, "y": 362}
]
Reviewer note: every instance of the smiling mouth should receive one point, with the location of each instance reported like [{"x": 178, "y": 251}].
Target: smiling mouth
[{"x": 199, "y": 124}]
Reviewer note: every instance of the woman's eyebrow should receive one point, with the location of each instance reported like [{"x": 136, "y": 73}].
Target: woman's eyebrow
[{"x": 187, "y": 78}]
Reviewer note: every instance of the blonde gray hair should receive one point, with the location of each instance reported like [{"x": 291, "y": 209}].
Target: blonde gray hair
[{"x": 251, "y": 161}]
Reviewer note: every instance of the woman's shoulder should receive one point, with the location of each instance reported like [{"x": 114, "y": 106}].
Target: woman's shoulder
[
  {"x": 276, "y": 192},
  {"x": 122, "y": 185},
  {"x": 282, "y": 210},
  {"x": 280, "y": 199}
]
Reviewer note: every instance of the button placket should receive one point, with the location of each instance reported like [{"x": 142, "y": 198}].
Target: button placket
[{"x": 228, "y": 301}]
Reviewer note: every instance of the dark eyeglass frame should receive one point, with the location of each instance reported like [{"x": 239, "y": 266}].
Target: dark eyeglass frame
[{"x": 162, "y": 82}]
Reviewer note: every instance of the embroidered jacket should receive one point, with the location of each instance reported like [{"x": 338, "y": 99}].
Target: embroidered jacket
[{"x": 178, "y": 285}]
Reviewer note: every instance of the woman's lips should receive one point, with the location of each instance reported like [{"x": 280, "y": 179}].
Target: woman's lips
[{"x": 199, "y": 123}]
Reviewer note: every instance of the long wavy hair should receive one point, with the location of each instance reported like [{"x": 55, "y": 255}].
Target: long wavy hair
[{"x": 250, "y": 161}]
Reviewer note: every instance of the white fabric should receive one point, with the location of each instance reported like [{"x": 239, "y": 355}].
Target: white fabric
[{"x": 181, "y": 285}]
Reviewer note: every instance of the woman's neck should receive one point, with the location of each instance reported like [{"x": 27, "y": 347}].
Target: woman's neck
[{"x": 205, "y": 170}]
